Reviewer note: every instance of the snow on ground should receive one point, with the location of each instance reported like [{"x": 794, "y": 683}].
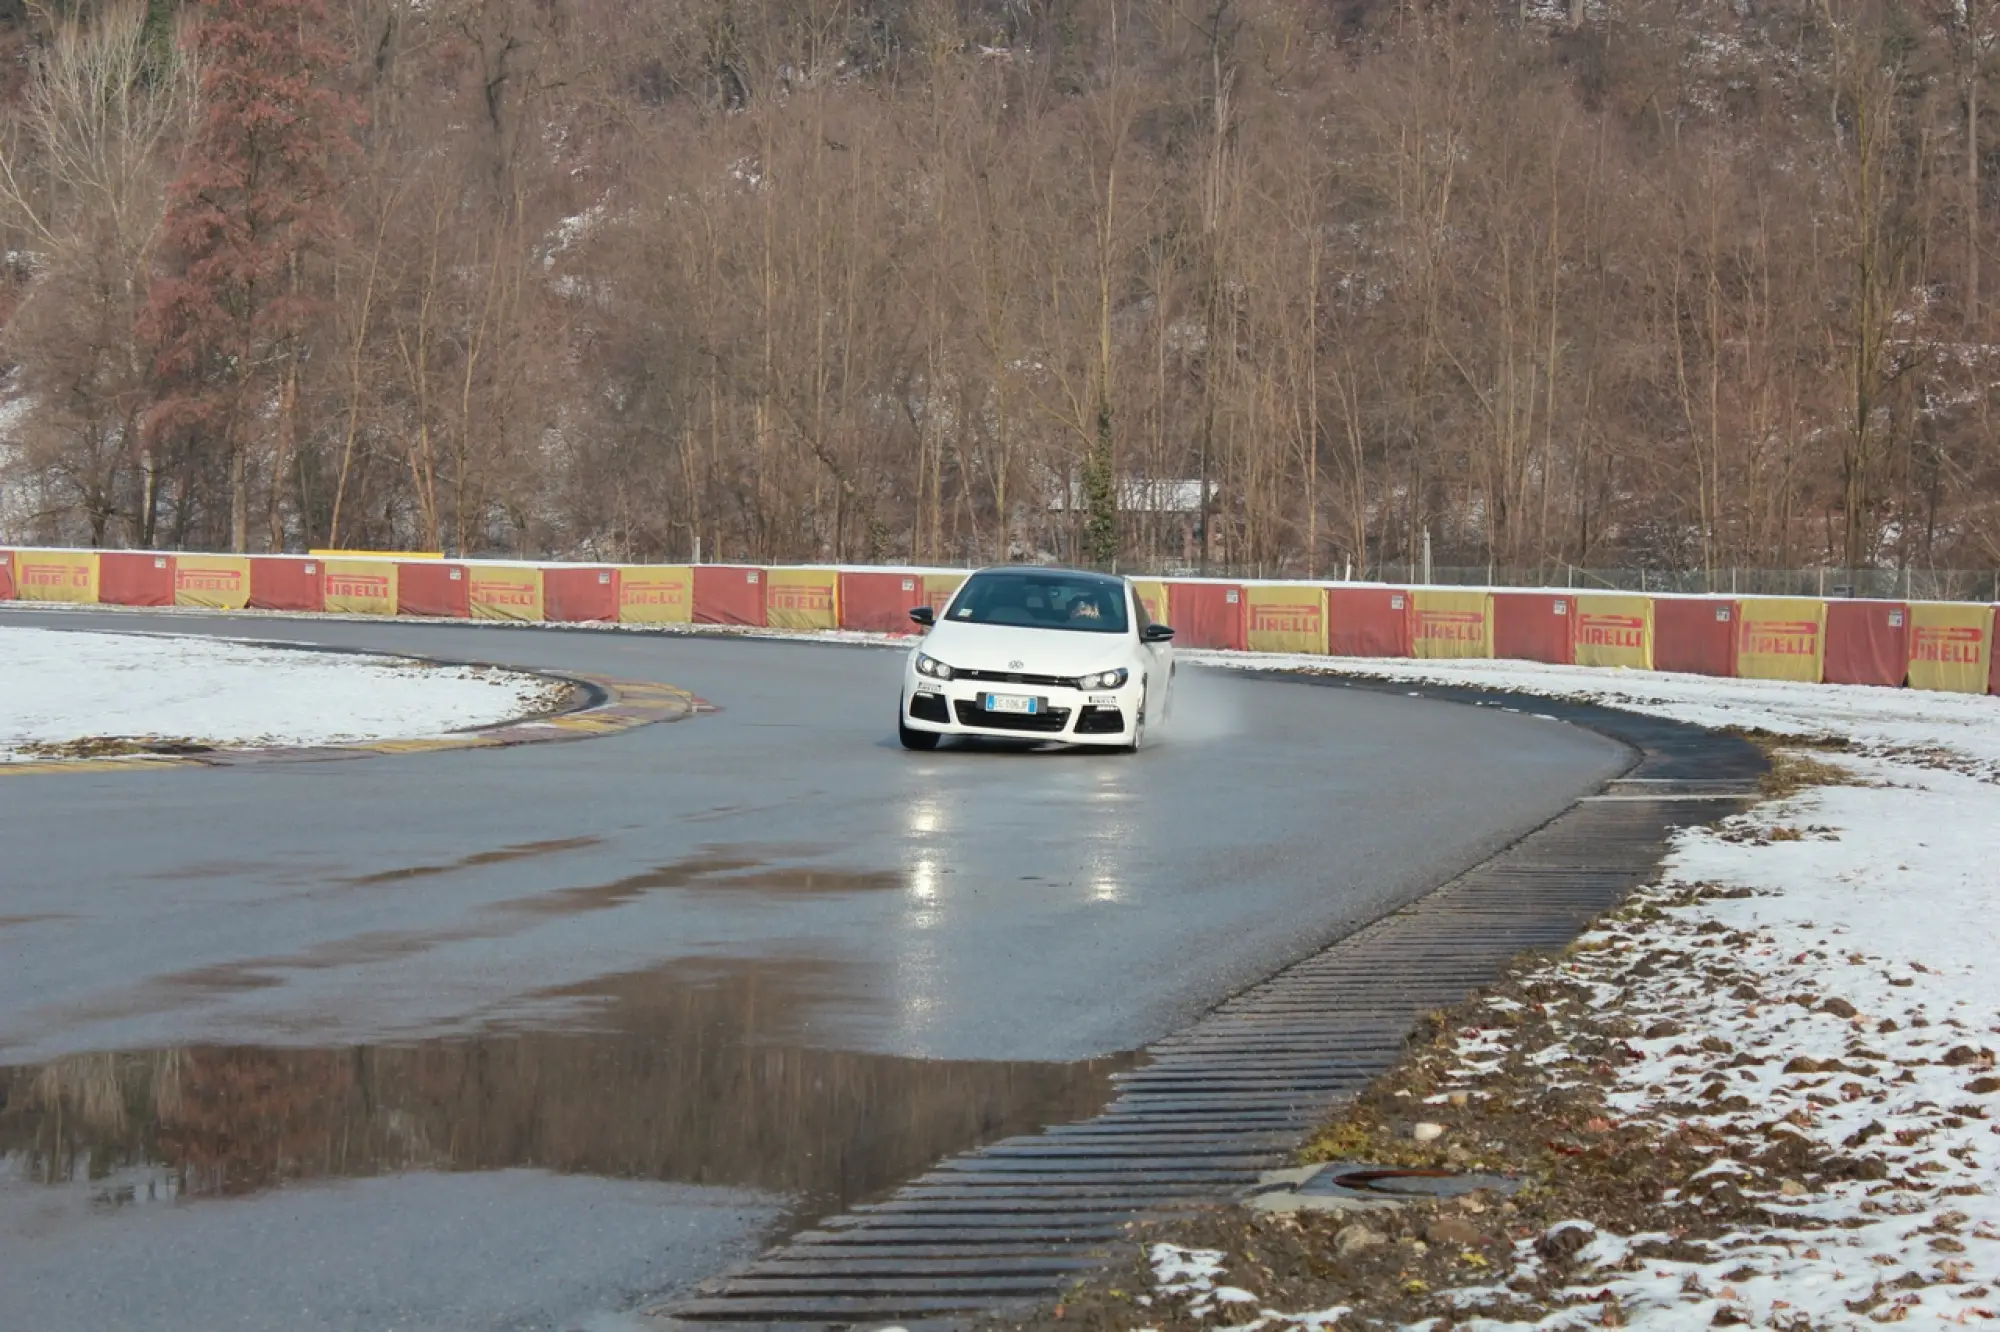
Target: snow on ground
[
  {"x": 1898, "y": 721},
  {"x": 1190, "y": 1275},
  {"x": 1832, "y": 990},
  {"x": 1842, "y": 1008},
  {"x": 64, "y": 687}
]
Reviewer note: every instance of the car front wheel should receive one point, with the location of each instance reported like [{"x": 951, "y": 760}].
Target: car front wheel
[
  {"x": 913, "y": 738},
  {"x": 1138, "y": 728}
]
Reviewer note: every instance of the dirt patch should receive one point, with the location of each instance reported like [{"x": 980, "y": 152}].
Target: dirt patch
[
  {"x": 1583, "y": 1168},
  {"x": 115, "y": 746},
  {"x": 1792, "y": 766}
]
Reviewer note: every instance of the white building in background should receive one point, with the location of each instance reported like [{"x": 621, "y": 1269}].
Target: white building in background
[{"x": 1169, "y": 510}]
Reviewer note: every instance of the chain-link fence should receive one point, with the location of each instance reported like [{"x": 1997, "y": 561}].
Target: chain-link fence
[
  {"x": 1891, "y": 584},
  {"x": 1894, "y": 584}
]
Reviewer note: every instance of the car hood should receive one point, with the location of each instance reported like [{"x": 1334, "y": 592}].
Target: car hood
[{"x": 996, "y": 647}]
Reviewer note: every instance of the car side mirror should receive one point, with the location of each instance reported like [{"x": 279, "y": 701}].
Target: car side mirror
[
  {"x": 923, "y": 615},
  {"x": 1158, "y": 633}
]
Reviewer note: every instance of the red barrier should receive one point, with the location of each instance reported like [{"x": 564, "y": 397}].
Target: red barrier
[
  {"x": 880, "y": 602},
  {"x": 125, "y": 578},
  {"x": 6, "y": 575},
  {"x": 1535, "y": 626},
  {"x": 1993, "y": 669},
  {"x": 728, "y": 594},
  {"x": 1694, "y": 635},
  {"x": 286, "y": 583},
  {"x": 432, "y": 587},
  {"x": 1369, "y": 622},
  {"x": 573, "y": 594},
  {"x": 1867, "y": 643},
  {"x": 1207, "y": 615}
]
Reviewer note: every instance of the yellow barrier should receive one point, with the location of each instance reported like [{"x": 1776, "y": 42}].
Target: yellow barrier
[
  {"x": 939, "y": 590},
  {"x": 1614, "y": 631},
  {"x": 1286, "y": 619},
  {"x": 1951, "y": 646},
  {"x": 218, "y": 582},
  {"x": 802, "y": 599},
  {"x": 1452, "y": 624},
  {"x": 505, "y": 592},
  {"x": 1781, "y": 638},
  {"x": 67, "y": 576},
  {"x": 656, "y": 594},
  {"x": 361, "y": 587},
  {"x": 1152, "y": 594}
]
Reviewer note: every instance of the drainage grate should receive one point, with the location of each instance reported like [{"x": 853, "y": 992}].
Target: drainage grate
[{"x": 1234, "y": 1095}]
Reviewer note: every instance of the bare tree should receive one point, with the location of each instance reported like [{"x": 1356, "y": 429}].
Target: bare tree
[{"x": 84, "y": 174}]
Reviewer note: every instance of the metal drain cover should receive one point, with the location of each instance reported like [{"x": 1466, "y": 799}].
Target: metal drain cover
[{"x": 1350, "y": 1186}]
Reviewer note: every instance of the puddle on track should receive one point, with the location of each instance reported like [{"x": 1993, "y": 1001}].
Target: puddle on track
[
  {"x": 699, "y": 1072},
  {"x": 501, "y": 856},
  {"x": 717, "y": 871},
  {"x": 716, "y": 874}
]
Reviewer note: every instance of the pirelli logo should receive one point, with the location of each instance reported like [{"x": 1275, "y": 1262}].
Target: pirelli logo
[
  {"x": 54, "y": 575},
  {"x": 1452, "y": 626},
  {"x": 1779, "y": 638},
  {"x": 208, "y": 580},
  {"x": 1611, "y": 631},
  {"x": 1278, "y": 619},
  {"x": 362, "y": 586},
  {"x": 1957, "y": 647},
  {"x": 801, "y": 598},
  {"x": 651, "y": 594},
  {"x": 486, "y": 593}
]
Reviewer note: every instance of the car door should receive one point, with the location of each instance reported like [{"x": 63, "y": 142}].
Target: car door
[{"x": 1158, "y": 657}]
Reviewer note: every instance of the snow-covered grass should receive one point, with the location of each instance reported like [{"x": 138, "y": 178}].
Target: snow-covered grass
[
  {"x": 65, "y": 687},
  {"x": 1807, "y": 991},
  {"x": 1847, "y": 1003}
]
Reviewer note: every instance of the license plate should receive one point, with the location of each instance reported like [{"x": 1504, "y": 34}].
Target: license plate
[{"x": 1012, "y": 703}]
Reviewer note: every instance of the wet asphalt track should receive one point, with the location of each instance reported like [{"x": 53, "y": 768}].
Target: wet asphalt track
[{"x": 519, "y": 1038}]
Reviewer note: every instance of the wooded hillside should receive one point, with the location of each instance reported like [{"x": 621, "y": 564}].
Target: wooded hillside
[{"x": 1688, "y": 285}]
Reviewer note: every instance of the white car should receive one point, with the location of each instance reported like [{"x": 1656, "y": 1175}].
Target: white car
[{"x": 1034, "y": 653}]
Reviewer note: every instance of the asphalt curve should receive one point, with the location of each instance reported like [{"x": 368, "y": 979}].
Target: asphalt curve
[{"x": 516, "y": 1038}]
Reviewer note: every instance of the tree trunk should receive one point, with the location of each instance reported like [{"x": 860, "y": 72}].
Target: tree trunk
[{"x": 239, "y": 497}]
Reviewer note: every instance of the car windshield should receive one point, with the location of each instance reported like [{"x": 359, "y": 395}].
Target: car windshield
[{"x": 1035, "y": 599}]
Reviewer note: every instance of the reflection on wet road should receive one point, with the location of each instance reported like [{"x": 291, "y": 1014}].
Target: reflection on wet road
[
  {"x": 523, "y": 1037},
  {"x": 689, "y": 1074},
  {"x": 685, "y": 1075}
]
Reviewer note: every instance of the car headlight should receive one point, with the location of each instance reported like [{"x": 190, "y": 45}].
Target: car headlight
[
  {"x": 1105, "y": 679},
  {"x": 931, "y": 666}
]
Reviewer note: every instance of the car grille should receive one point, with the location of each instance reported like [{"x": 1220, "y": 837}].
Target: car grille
[
  {"x": 930, "y": 708},
  {"x": 1016, "y": 677},
  {"x": 1100, "y": 721},
  {"x": 1046, "y": 722}
]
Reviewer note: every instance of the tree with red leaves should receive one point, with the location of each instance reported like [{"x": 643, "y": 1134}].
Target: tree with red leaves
[{"x": 228, "y": 314}]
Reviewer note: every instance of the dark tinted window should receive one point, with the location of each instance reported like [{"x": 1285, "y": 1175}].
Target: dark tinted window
[{"x": 1034, "y": 599}]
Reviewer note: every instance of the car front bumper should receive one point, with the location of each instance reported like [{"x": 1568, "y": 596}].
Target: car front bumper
[{"x": 1070, "y": 716}]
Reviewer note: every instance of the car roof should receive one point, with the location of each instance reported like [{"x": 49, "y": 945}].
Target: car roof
[{"x": 1083, "y": 575}]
